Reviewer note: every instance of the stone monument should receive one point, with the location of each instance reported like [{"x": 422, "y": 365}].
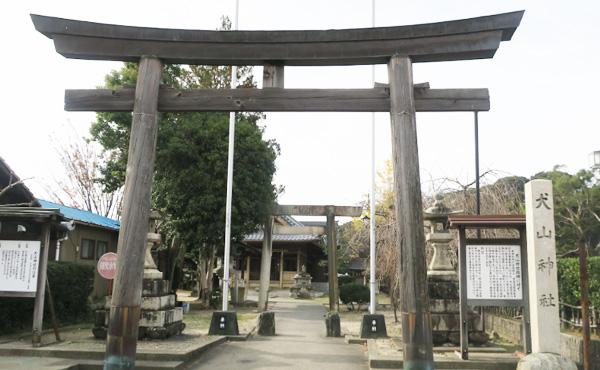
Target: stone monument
[
  {"x": 543, "y": 283},
  {"x": 159, "y": 318},
  {"x": 302, "y": 288},
  {"x": 443, "y": 284}
]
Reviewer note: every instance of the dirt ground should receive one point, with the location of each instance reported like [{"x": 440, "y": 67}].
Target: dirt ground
[{"x": 197, "y": 323}]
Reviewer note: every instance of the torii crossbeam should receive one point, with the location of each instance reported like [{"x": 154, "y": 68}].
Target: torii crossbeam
[{"x": 398, "y": 47}]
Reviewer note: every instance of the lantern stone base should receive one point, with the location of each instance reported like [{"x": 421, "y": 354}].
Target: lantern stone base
[
  {"x": 444, "y": 306},
  {"x": 159, "y": 318}
]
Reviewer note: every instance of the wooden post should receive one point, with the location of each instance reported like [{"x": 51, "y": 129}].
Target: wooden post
[
  {"x": 273, "y": 76},
  {"x": 281, "y": 269},
  {"x": 414, "y": 302},
  {"x": 332, "y": 263},
  {"x": 38, "y": 308},
  {"x": 462, "y": 283},
  {"x": 265, "y": 266},
  {"x": 247, "y": 277},
  {"x": 585, "y": 306},
  {"x": 52, "y": 313},
  {"x": 125, "y": 307}
]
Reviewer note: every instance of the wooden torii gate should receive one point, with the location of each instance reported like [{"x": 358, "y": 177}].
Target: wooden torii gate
[
  {"x": 398, "y": 47},
  {"x": 303, "y": 210}
]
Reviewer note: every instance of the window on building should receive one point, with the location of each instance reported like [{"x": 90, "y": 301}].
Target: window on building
[
  {"x": 290, "y": 262},
  {"x": 102, "y": 249},
  {"x": 88, "y": 248}
]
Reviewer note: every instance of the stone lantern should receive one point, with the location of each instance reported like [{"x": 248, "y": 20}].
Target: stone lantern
[{"x": 439, "y": 237}]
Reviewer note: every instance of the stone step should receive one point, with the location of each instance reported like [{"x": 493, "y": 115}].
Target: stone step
[{"x": 139, "y": 365}]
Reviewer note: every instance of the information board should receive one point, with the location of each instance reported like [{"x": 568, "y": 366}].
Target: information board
[
  {"x": 19, "y": 264},
  {"x": 494, "y": 272}
]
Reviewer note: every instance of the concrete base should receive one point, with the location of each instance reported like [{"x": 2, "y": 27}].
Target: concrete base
[
  {"x": 373, "y": 326},
  {"x": 546, "y": 361},
  {"x": 332, "y": 325},
  {"x": 224, "y": 323},
  {"x": 266, "y": 323}
]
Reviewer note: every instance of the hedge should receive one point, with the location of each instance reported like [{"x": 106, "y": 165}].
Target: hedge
[
  {"x": 568, "y": 280},
  {"x": 70, "y": 283},
  {"x": 343, "y": 280},
  {"x": 354, "y": 293}
]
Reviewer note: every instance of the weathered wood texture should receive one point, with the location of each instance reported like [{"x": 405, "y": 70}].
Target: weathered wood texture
[
  {"x": 305, "y": 210},
  {"x": 265, "y": 266},
  {"x": 332, "y": 263},
  {"x": 409, "y": 211},
  {"x": 127, "y": 293},
  {"x": 279, "y": 100},
  {"x": 273, "y": 76},
  {"x": 299, "y": 230},
  {"x": 465, "y": 39},
  {"x": 38, "y": 305}
]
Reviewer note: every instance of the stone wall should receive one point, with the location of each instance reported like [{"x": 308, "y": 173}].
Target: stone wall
[
  {"x": 570, "y": 346},
  {"x": 506, "y": 328}
]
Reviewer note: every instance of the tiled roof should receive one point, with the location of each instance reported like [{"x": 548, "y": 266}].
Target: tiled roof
[
  {"x": 314, "y": 223},
  {"x": 83, "y": 216},
  {"x": 259, "y": 235},
  {"x": 357, "y": 264}
]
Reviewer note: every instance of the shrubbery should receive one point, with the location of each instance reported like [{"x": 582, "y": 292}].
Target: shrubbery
[
  {"x": 343, "y": 280},
  {"x": 70, "y": 283},
  {"x": 354, "y": 293},
  {"x": 568, "y": 281}
]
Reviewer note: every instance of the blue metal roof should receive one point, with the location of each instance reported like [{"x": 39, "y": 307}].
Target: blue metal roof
[{"x": 82, "y": 216}]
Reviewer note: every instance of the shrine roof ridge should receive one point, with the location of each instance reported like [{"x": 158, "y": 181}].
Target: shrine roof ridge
[{"x": 465, "y": 39}]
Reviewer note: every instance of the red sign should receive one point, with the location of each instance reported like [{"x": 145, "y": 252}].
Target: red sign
[{"x": 107, "y": 264}]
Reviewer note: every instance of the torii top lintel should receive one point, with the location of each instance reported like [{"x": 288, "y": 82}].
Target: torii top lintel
[{"x": 466, "y": 39}]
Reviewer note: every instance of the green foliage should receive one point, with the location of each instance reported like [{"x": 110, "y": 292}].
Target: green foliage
[
  {"x": 70, "y": 283},
  {"x": 569, "y": 289},
  {"x": 191, "y": 160},
  {"x": 343, "y": 280},
  {"x": 354, "y": 293}
]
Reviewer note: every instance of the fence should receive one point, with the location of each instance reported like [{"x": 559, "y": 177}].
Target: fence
[{"x": 570, "y": 317}]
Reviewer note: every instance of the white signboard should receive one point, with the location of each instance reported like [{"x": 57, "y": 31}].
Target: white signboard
[
  {"x": 19, "y": 264},
  {"x": 494, "y": 272}
]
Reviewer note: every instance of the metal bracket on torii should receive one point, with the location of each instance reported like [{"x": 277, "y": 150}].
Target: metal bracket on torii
[
  {"x": 398, "y": 47},
  {"x": 303, "y": 210}
]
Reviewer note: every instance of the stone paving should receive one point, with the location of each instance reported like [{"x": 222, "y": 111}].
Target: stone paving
[{"x": 298, "y": 344}]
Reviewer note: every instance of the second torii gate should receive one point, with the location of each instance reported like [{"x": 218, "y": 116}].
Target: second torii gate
[
  {"x": 303, "y": 210},
  {"x": 398, "y": 47}
]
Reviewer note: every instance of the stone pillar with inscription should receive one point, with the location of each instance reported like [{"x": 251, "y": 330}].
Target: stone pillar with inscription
[{"x": 543, "y": 283}]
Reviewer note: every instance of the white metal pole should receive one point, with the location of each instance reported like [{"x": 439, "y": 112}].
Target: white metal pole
[
  {"x": 372, "y": 305},
  {"x": 227, "y": 253}
]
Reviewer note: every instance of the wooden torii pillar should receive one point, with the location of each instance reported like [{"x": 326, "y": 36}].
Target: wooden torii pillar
[
  {"x": 399, "y": 47},
  {"x": 303, "y": 210}
]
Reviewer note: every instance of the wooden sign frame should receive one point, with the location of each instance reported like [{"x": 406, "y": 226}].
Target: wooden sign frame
[{"x": 517, "y": 222}]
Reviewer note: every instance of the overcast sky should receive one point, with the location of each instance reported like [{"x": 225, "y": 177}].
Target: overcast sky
[{"x": 543, "y": 86}]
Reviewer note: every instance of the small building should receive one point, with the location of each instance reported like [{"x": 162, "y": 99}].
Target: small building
[
  {"x": 13, "y": 191},
  {"x": 290, "y": 253},
  {"x": 93, "y": 236}
]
